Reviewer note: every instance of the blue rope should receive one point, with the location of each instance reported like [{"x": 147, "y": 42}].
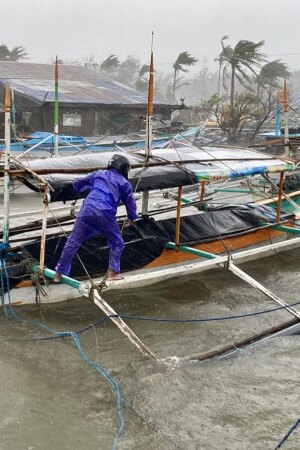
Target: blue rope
[
  {"x": 280, "y": 444},
  {"x": 110, "y": 380},
  {"x": 207, "y": 319},
  {"x": 2, "y": 289},
  {"x": 114, "y": 385},
  {"x": 8, "y": 289},
  {"x": 157, "y": 319}
]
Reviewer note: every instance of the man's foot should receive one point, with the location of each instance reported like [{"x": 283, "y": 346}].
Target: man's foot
[
  {"x": 57, "y": 277},
  {"x": 111, "y": 276}
]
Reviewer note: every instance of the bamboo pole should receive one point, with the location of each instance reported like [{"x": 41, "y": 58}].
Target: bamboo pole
[
  {"x": 105, "y": 307},
  {"x": 44, "y": 229},
  {"x": 75, "y": 170},
  {"x": 7, "y": 166},
  {"x": 34, "y": 146},
  {"x": 177, "y": 230},
  {"x": 202, "y": 190},
  {"x": 287, "y": 198},
  {"x": 278, "y": 209},
  {"x": 243, "y": 275},
  {"x": 149, "y": 131}
]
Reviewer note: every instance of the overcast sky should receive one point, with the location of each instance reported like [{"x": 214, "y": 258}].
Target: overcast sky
[{"x": 77, "y": 28}]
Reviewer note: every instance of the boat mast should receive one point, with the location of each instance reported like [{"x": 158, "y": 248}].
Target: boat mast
[
  {"x": 286, "y": 126},
  {"x": 6, "y": 166},
  {"x": 56, "y": 110},
  {"x": 149, "y": 117}
]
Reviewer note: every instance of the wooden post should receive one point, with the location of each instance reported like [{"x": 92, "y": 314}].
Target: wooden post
[
  {"x": 177, "y": 231},
  {"x": 278, "y": 209},
  {"x": 7, "y": 167},
  {"x": 202, "y": 190},
  {"x": 44, "y": 230},
  {"x": 145, "y": 202}
]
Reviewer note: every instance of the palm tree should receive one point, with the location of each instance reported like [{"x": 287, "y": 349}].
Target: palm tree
[
  {"x": 17, "y": 53},
  {"x": 236, "y": 61},
  {"x": 184, "y": 59},
  {"x": 110, "y": 64},
  {"x": 141, "y": 83},
  {"x": 271, "y": 72},
  {"x": 4, "y": 53}
]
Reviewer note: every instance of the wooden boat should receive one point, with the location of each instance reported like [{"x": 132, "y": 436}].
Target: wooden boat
[
  {"x": 42, "y": 144},
  {"x": 191, "y": 242},
  {"x": 159, "y": 249}
]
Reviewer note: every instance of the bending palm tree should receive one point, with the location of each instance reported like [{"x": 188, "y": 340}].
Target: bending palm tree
[
  {"x": 184, "y": 59},
  {"x": 244, "y": 56},
  {"x": 17, "y": 53},
  {"x": 270, "y": 73},
  {"x": 110, "y": 64}
]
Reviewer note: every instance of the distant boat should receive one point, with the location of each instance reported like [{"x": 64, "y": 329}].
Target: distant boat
[{"x": 41, "y": 144}]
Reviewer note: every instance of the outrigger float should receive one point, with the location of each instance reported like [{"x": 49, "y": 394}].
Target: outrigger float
[{"x": 201, "y": 236}]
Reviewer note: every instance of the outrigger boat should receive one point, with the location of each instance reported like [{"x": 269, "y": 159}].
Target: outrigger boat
[{"x": 199, "y": 237}]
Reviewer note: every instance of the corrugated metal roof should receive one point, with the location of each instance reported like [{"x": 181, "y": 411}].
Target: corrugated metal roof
[{"x": 76, "y": 84}]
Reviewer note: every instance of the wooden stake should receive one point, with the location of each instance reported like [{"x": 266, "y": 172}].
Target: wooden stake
[
  {"x": 202, "y": 190},
  {"x": 44, "y": 230},
  {"x": 278, "y": 209},
  {"x": 7, "y": 167},
  {"x": 177, "y": 231}
]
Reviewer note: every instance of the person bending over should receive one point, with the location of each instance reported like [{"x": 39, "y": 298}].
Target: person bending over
[{"x": 97, "y": 216}]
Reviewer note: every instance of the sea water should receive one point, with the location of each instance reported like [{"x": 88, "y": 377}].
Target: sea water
[{"x": 51, "y": 398}]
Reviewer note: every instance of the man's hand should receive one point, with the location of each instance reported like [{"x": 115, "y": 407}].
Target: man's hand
[{"x": 128, "y": 223}]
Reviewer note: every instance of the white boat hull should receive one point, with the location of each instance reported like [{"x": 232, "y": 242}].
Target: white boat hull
[{"x": 144, "y": 277}]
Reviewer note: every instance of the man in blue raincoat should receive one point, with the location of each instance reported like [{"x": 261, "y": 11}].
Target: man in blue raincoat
[{"x": 97, "y": 216}]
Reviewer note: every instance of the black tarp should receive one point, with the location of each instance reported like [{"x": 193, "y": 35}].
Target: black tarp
[{"x": 146, "y": 239}]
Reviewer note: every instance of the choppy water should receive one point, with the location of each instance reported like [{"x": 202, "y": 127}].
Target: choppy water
[{"x": 52, "y": 399}]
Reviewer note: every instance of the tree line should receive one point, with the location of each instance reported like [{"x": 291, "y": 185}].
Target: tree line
[{"x": 241, "y": 93}]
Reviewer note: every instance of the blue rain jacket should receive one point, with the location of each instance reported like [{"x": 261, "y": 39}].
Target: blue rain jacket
[{"x": 108, "y": 188}]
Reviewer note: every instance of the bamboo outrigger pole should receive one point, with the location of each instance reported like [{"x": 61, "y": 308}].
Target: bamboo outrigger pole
[
  {"x": 85, "y": 290},
  {"x": 6, "y": 166},
  {"x": 56, "y": 109}
]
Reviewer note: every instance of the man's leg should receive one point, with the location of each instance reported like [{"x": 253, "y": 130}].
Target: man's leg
[
  {"x": 111, "y": 230},
  {"x": 80, "y": 233}
]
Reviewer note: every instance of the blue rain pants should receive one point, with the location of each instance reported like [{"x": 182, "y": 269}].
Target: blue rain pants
[{"x": 92, "y": 222}]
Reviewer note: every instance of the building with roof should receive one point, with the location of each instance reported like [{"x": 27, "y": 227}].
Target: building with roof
[{"x": 90, "y": 103}]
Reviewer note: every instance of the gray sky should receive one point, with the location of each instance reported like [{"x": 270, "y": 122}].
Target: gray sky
[{"x": 77, "y": 28}]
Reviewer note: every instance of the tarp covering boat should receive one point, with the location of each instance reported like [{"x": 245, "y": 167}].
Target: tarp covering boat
[
  {"x": 145, "y": 241},
  {"x": 166, "y": 168}
]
